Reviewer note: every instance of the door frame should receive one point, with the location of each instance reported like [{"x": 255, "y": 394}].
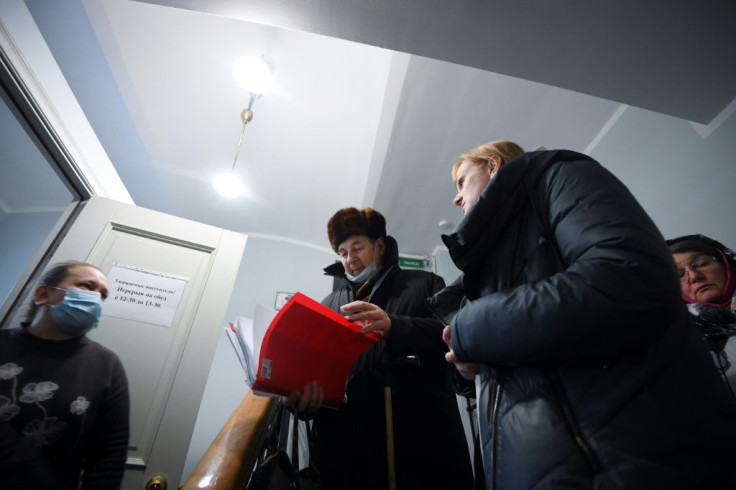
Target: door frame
[{"x": 37, "y": 114}]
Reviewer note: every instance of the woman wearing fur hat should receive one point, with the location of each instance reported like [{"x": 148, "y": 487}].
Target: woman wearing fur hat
[
  {"x": 350, "y": 447},
  {"x": 707, "y": 271}
]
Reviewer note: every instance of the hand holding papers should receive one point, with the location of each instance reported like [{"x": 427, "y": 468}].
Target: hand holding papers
[{"x": 303, "y": 342}]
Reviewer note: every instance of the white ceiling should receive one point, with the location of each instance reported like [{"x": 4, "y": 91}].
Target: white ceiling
[{"x": 355, "y": 123}]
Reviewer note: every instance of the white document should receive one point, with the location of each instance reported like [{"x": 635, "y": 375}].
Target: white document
[
  {"x": 246, "y": 337},
  {"x": 143, "y": 295}
]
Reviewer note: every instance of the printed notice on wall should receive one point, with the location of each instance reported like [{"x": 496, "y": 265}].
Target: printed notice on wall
[{"x": 142, "y": 295}]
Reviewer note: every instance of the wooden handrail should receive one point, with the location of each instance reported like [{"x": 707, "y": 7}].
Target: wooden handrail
[{"x": 229, "y": 461}]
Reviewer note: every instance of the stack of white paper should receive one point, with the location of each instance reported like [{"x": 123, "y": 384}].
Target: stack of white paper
[{"x": 246, "y": 336}]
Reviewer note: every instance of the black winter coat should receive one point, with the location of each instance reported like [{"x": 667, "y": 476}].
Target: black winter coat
[
  {"x": 592, "y": 376},
  {"x": 431, "y": 449}
]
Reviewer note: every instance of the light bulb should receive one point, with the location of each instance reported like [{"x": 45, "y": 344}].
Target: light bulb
[
  {"x": 228, "y": 185},
  {"x": 254, "y": 74}
]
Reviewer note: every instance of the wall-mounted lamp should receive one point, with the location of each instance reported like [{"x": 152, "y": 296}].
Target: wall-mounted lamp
[{"x": 256, "y": 76}]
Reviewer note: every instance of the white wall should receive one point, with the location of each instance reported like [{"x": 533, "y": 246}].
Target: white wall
[
  {"x": 445, "y": 267},
  {"x": 684, "y": 180}
]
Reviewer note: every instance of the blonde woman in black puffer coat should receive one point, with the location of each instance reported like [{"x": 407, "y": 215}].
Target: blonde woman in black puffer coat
[{"x": 591, "y": 375}]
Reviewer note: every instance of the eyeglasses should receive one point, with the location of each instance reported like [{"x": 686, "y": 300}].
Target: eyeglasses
[{"x": 701, "y": 263}]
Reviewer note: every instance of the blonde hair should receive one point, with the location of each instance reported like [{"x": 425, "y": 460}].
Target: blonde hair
[{"x": 481, "y": 155}]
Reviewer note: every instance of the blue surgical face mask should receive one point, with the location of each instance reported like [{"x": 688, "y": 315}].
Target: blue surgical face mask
[
  {"x": 364, "y": 274},
  {"x": 79, "y": 311}
]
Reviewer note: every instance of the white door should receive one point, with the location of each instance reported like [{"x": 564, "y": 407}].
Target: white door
[{"x": 166, "y": 341}]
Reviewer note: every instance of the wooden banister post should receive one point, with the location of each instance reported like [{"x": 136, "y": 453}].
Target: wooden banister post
[{"x": 229, "y": 461}]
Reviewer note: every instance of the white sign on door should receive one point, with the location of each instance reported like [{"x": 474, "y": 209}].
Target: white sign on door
[{"x": 143, "y": 295}]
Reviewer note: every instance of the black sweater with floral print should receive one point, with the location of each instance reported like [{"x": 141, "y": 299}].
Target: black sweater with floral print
[{"x": 65, "y": 407}]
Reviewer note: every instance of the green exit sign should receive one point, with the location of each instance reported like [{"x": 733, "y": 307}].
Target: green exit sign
[{"x": 409, "y": 263}]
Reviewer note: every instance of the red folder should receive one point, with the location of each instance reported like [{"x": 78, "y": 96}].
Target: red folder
[{"x": 308, "y": 341}]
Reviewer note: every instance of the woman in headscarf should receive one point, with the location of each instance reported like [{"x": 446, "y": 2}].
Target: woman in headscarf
[{"x": 707, "y": 271}]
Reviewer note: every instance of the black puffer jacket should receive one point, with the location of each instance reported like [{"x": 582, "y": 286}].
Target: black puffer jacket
[
  {"x": 431, "y": 450},
  {"x": 592, "y": 376}
]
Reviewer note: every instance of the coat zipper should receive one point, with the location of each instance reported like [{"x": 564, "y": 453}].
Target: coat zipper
[
  {"x": 572, "y": 423},
  {"x": 496, "y": 401}
]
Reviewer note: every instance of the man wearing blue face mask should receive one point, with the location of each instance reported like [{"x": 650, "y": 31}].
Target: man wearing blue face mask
[{"x": 64, "y": 404}]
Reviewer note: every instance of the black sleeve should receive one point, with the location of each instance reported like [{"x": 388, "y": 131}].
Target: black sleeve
[
  {"x": 415, "y": 331},
  {"x": 618, "y": 292}
]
